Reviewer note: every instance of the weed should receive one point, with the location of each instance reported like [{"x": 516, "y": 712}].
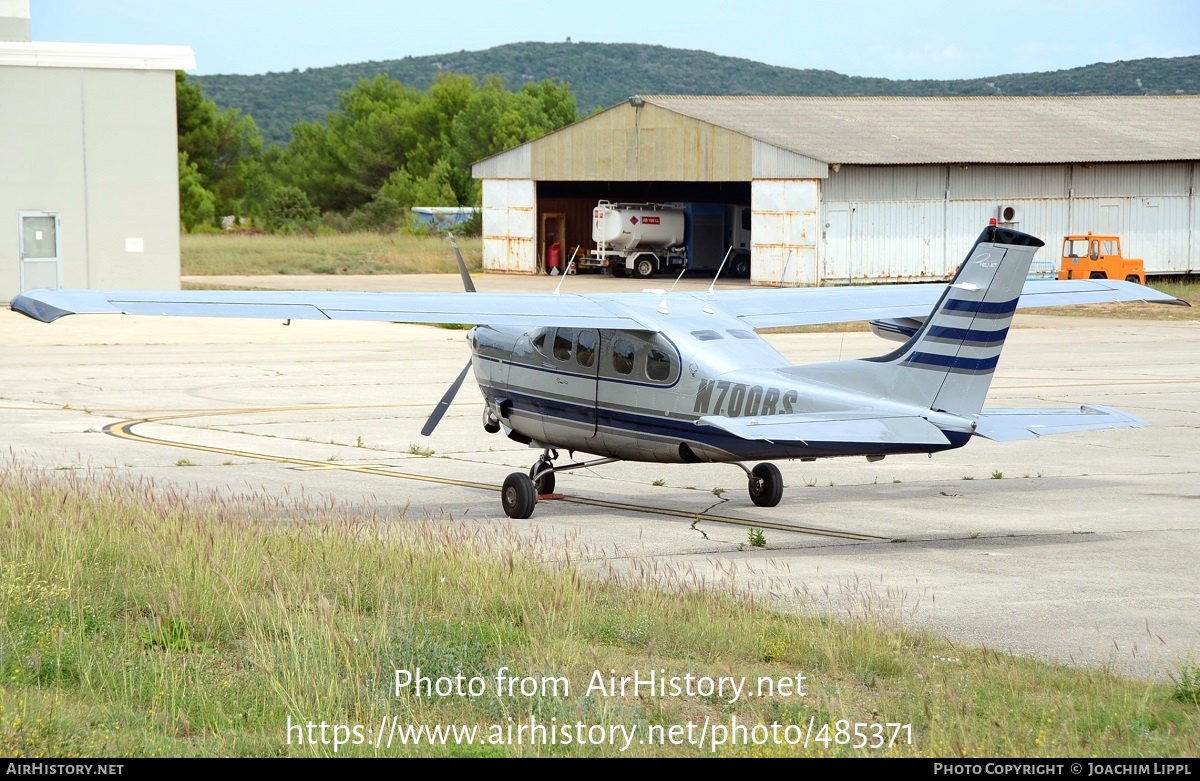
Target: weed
[
  {"x": 810, "y": 483},
  {"x": 968, "y": 477},
  {"x": 659, "y": 481},
  {"x": 359, "y": 443},
  {"x": 1187, "y": 682},
  {"x": 757, "y": 538},
  {"x": 417, "y": 449},
  {"x": 974, "y": 535},
  {"x": 718, "y": 491},
  {"x": 895, "y": 480},
  {"x": 183, "y": 462},
  {"x": 997, "y": 474}
]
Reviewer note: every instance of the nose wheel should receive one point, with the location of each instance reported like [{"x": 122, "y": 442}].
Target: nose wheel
[
  {"x": 518, "y": 496},
  {"x": 521, "y": 491}
]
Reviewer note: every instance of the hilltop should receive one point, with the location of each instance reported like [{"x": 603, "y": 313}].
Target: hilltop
[{"x": 601, "y": 75}]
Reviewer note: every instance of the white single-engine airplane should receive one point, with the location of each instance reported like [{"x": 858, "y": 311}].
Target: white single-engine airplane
[{"x": 684, "y": 378}]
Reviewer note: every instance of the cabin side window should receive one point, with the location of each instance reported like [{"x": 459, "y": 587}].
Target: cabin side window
[
  {"x": 658, "y": 365},
  {"x": 563, "y": 340},
  {"x": 622, "y": 357},
  {"x": 585, "y": 348}
]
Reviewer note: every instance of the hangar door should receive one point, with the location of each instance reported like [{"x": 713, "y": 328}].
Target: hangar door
[{"x": 41, "y": 262}]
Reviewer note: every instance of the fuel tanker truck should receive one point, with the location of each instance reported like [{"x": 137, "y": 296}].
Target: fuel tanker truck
[
  {"x": 639, "y": 238},
  {"x": 642, "y": 239}
]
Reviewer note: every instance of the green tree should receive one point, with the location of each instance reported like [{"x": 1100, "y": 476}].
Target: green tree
[
  {"x": 197, "y": 206},
  {"x": 220, "y": 144}
]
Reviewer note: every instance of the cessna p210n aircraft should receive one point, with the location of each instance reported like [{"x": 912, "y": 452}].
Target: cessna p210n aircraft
[{"x": 683, "y": 377}]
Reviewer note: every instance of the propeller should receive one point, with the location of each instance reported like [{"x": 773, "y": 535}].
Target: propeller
[
  {"x": 462, "y": 267},
  {"x": 435, "y": 417}
]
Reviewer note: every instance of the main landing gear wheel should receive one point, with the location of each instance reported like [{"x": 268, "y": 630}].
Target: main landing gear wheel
[
  {"x": 545, "y": 483},
  {"x": 766, "y": 485},
  {"x": 519, "y": 496}
]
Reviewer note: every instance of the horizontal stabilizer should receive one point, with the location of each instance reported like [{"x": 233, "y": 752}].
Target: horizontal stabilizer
[
  {"x": 849, "y": 427},
  {"x": 1008, "y": 425}
]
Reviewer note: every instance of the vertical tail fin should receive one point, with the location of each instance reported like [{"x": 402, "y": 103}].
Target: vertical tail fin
[{"x": 948, "y": 364}]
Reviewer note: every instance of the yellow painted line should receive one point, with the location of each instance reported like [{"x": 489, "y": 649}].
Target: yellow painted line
[{"x": 124, "y": 430}]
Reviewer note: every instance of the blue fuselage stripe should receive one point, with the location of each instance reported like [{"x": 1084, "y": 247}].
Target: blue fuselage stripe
[{"x": 631, "y": 424}]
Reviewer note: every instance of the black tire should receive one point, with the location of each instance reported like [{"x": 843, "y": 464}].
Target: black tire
[
  {"x": 545, "y": 483},
  {"x": 618, "y": 269},
  {"x": 1097, "y": 275},
  {"x": 1133, "y": 278},
  {"x": 518, "y": 496},
  {"x": 741, "y": 266},
  {"x": 644, "y": 267},
  {"x": 766, "y": 485}
]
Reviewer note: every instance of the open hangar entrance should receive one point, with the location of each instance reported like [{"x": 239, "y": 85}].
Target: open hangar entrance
[{"x": 564, "y": 215}]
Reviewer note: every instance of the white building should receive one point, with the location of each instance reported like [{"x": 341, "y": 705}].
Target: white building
[
  {"x": 89, "y": 176},
  {"x": 867, "y": 189}
]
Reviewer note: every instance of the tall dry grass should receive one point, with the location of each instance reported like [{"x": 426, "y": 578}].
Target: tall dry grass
[
  {"x": 140, "y": 619},
  {"x": 248, "y": 254}
]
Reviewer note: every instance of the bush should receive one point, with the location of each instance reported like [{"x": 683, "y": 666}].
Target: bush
[{"x": 288, "y": 210}]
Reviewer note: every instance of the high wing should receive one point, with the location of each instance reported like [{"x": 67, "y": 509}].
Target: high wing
[
  {"x": 813, "y": 306},
  {"x": 760, "y": 308},
  {"x": 461, "y": 308}
]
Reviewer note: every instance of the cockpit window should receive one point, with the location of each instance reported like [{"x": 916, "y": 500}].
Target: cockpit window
[
  {"x": 738, "y": 333},
  {"x": 563, "y": 338},
  {"x": 658, "y": 365},
  {"x": 707, "y": 336},
  {"x": 622, "y": 359},
  {"x": 585, "y": 348},
  {"x": 538, "y": 340}
]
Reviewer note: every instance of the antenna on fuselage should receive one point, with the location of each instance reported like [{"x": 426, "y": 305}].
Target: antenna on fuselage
[
  {"x": 662, "y": 305},
  {"x": 566, "y": 271},
  {"x": 712, "y": 285}
]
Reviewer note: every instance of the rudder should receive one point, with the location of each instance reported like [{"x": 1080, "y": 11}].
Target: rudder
[{"x": 948, "y": 364}]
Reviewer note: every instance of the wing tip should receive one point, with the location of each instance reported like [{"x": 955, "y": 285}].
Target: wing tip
[{"x": 38, "y": 310}]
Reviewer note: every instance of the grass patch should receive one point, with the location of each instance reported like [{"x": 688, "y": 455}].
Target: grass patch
[
  {"x": 137, "y": 620},
  {"x": 351, "y": 253}
]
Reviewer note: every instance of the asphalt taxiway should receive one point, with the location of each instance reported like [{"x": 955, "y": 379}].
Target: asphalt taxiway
[{"x": 1081, "y": 548}]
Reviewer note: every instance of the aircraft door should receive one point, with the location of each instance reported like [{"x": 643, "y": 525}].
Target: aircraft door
[{"x": 571, "y": 383}]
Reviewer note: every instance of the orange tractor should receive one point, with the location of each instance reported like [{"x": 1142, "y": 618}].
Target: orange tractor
[{"x": 1092, "y": 256}]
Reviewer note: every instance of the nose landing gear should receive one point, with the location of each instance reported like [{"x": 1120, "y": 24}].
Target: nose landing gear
[{"x": 521, "y": 491}]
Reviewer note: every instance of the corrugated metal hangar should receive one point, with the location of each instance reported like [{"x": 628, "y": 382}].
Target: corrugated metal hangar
[
  {"x": 864, "y": 189},
  {"x": 89, "y": 171}
]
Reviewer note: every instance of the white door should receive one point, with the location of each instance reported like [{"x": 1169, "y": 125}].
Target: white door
[{"x": 41, "y": 262}]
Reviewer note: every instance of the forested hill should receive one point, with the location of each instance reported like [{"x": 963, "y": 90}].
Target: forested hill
[{"x": 601, "y": 75}]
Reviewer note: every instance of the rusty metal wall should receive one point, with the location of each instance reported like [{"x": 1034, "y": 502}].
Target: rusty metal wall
[
  {"x": 784, "y": 236},
  {"x": 509, "y": 226},
  {"x": 891, "y": 229},
  {"x": 882, "y": 241}
]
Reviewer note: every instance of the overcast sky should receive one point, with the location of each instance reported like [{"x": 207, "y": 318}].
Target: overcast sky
[{"x": 941, "y": 39}]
